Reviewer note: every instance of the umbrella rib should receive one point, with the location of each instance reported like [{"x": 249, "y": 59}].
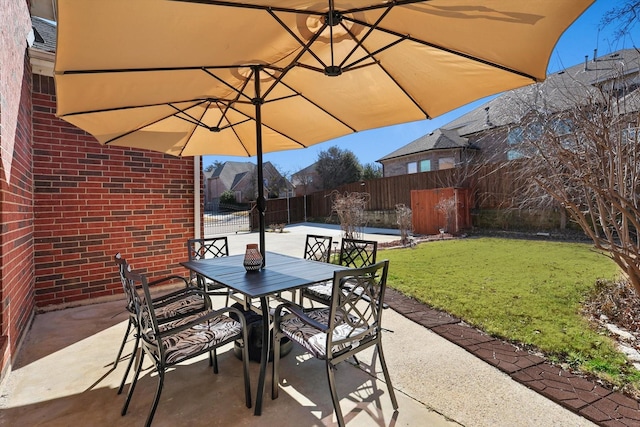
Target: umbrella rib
[
  {"x": 239, "y": 92},
  {"x": 313, "y": 103},
  {"x": 360, "y": 41},
  {"x": 131, "y": 107},
  {"x": 146, "y": 125},
  {"x": 249, "y": 118},
  {"x": 372, "y": 55},
  {"x": 306, "y": 47},
  {"x": 193, "y": 130},
  {"x": 189, "y": 118},
  {"x": 299, "y": 11},
  {"x": 144, "y": 70},
  {"x": 445, "y": 49}
]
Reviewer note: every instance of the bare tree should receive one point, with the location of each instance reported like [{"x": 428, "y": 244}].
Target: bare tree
[
  {"x": 350, "y": 209},
  {"x": 448, "y": 208},
  {"x": 405, "y": 223},
  {"x": 304, "y": 179},
  {"x": 624, "y": 16},
  {"x": 586, "y": 158}
]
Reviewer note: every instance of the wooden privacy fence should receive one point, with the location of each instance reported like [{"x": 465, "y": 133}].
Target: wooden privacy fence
[
  {"x": 491, "y": 186},
  {"x": 453, "y": 216}
]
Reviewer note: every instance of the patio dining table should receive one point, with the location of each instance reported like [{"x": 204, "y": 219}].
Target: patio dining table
[{"x": 282, "y": 273}]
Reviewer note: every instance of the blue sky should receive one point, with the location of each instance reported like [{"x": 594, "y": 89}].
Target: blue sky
[{"x": 579, "y": 40}]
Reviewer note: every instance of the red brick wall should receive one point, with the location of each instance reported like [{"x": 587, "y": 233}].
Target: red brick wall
[
  {"x": 92, "y": 201},
  {"x": 16, "y": 183}
]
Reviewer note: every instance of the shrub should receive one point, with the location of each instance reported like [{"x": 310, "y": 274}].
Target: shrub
[{"x": 228, "y": 197}]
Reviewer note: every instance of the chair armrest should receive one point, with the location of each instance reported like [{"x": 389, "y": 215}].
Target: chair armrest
[
  {"x": 297, "y": 311},
  {"x": 168, "y": 278}
]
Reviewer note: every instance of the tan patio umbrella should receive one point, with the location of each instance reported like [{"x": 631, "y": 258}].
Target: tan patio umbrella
[{"x": 201, "y": 77}]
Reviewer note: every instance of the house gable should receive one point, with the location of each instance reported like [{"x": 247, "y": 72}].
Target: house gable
[{"x": 486, "y": 128}]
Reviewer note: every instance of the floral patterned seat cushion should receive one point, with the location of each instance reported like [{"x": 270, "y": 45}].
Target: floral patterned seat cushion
[
  {"x": 183, "y": 320},
  {"x": 315, "y": 340},
  {"x": 323, "y": 290},
  {"x": 199, "y": 337},
  {"x": 180, "y": 306},
  {"x": 320, "y": 290}
]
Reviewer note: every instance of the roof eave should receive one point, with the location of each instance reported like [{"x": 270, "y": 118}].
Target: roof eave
[
  {"x": 384, "y": 159},
  {"x": 41, "y": 62}
]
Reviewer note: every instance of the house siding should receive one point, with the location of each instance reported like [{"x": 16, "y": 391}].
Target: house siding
[
  {"x": 493, "y": 145},
  {"x": 16, "y": 184},
  {"x": 93, "y": 201}
]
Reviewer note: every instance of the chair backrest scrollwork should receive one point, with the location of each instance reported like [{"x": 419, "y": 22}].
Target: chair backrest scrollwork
[
  {"x": 210, "y": 247},
  {"x": 356, "y": 253},
  {"x": 318, "y": 248}
]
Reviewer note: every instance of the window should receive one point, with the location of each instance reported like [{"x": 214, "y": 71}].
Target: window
[
  {"x": 446, "y": 163},
  {"x": 515, "y": 136},
  {"x": 412, "y": 167},
  {"x": 425, "y": 165},
  {"x": 514, "y": 155},
  {"x": 532, "y": 132},
  {"x": 562, "y": 127}
]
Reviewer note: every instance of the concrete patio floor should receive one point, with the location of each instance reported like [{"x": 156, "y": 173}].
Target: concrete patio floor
[{"x": 64, "y": 376}]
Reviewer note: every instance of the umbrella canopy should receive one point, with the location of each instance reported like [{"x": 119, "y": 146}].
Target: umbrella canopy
[{"x": 199, "y": 77}]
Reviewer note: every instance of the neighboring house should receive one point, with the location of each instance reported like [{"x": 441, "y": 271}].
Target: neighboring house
[
  {"x": 224, "y": 178},
  {"x": 307, "y": 180},
  {"x": 441, "y": 149},
  {"x": 240, "y": 178},
  {"x": 493, "y": 130}
]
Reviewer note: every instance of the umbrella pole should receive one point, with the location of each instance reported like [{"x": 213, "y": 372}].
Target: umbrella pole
[{"x": 257, "y": 101}]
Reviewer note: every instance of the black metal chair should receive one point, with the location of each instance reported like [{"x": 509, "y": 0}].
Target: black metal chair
[
  {"x": 170, "y": 306},
  {"x": 318, "y": 248},
  {"x": 354, "y": 253},
  {"x": 210, "y": 247},
  {"x": 351, "y": 323},
  {"x": 171, "y": 343}
]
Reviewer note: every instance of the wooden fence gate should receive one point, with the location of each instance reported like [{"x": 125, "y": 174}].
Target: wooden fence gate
[{"x": 454, "y": 216}]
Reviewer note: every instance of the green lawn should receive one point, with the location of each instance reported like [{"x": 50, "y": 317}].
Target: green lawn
[{"x": 520, "y": 290}]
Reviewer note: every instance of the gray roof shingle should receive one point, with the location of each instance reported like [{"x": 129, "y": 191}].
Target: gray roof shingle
[
  {"x": 228, "y": 172},
  {"x": 554, "y": 94},
  {"x": 559, "y": 91},
  {"x": 439, "y": 139},
  {"x": 45, "y": 32}
]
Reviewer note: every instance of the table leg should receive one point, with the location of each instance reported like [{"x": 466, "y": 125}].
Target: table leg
[{"x": 264, "y": 357}]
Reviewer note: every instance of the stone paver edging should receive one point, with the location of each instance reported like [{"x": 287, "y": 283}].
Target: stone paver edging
[{"x": 586, "y": 398}]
